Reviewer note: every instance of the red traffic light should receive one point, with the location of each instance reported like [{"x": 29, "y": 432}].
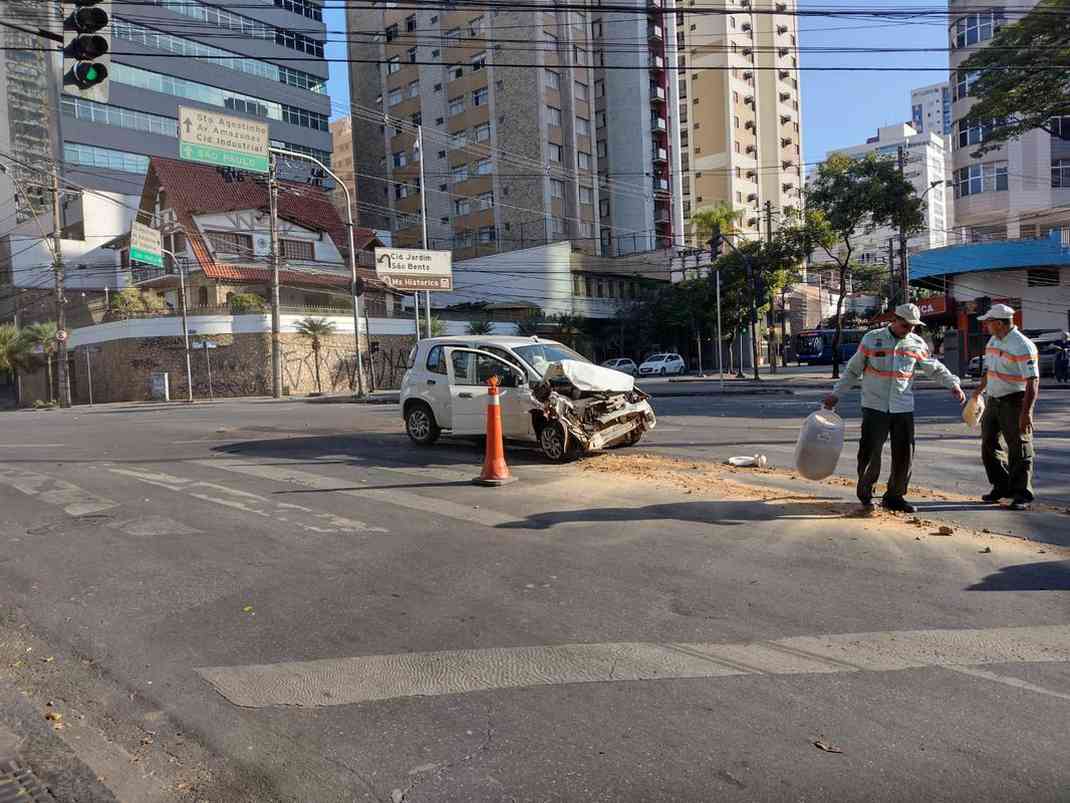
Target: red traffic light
[
  {"x": 87, "y": 48},
  {"x": 86, "y": 75}
]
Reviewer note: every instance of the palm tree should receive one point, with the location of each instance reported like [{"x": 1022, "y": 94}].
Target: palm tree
[
  {"x": 438, "y": 328},
  {"x": 15, "y": 354},
  {"x": 722, "y": 215},
  {"x": 43, "y": 335},
  {"x": 314, "y": 329},
  {"x": 481, "y": 326}
]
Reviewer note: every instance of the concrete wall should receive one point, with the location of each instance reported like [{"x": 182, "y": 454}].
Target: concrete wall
[{"x": 1042, "y": 307}]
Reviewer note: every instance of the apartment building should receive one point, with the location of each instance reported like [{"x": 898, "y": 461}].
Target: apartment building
[
  {"x": 925, "y": 159},
  {"x": 262, "y": 59},
  {"x": 1022, "y": 189},
  {"x": 740, "y": 110},
  {"x": 342, "y": 160},
  {"x": 930, "y": 109},
  {"x": 637, "y": 127}
]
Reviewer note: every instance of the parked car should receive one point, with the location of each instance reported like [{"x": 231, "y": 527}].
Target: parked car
[
  {"x": 663, "y": 365},
  {"x": 622, "y": 364},
  {"x": 976, "y": 366},
  {"x": 549, "y": 395}
]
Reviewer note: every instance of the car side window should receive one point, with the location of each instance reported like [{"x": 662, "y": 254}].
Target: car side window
[
  {"x": 505, "y": 355},
  {"x": 484, "y": 368},
  {"x": 436, "y": 360}
]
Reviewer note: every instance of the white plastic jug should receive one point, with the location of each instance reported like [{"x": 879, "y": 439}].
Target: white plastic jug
[
  {"x": 820, "y": 443},
  {"x": 973, "y": 411}
]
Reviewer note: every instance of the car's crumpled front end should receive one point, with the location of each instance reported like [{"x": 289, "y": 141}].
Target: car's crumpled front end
[{"x": 598, "y": 407}]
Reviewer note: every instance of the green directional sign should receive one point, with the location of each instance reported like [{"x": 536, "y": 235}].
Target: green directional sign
[
  {"x": 222, "y": 140},
  {"x": 145, "y": 245}
]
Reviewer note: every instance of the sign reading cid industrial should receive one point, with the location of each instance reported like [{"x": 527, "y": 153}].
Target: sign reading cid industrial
[
  {"x": 414, "y": 269},
  {"x": 145, "y": 245},
  {"x": 223, "y": 141}
]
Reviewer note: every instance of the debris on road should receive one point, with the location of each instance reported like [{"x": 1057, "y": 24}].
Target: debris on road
[
  {"x": 820, "y": 744},
  {"x": 987, "y": 550},
  {"x": 944, "y": 530},
  {"x": 757, "y": 461}
]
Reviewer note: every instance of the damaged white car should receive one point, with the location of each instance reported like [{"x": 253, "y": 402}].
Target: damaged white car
[{"x": 550, "y": 395}]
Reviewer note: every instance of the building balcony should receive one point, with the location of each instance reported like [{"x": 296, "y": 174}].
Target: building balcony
[
  {"x": 656, "y": 62},
  {"x": 657, "y": 94},
  {"x": 654, "y": 32},
  {"x": 661, "y": 185},
  {"x": 660, "y": 156},
  {"x": 658, "y": 125}
]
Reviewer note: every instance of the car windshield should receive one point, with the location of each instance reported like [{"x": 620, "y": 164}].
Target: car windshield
[
  {"x": 540, "y": 355},
  {"x": 656, "y": 358}
]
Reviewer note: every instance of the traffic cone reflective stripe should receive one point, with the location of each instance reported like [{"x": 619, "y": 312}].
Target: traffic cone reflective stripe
[{"x": 495, "y": 470}]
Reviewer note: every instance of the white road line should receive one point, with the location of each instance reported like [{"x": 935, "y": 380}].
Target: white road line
[
  {"x": 343, "y": 681},
  {"x": 277, "y": 472},
  {"x": 75, "y": 501},
  {"x": 307, "y": 519},
  {"x": 30, "y": 445},
  {"x": 1007, "y": 680}
]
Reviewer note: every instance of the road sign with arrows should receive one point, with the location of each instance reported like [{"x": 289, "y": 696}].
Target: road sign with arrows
[{"x": 222, "y": 140}]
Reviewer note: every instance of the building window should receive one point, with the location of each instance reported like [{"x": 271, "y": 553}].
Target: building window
[
  {"x": 484, "y": 167},
  {"x": 480, "y": 97},
  {"x": 974, "y": 28},
  {"x": 599, "y": 119},
  {"x": 553, "y": 114},
  {"x": 479, "y": 61},
  {"x": 482, "y": 132},
  {"x": 414, "y": 89},
  {"x": 228, "y": 242},
  {"x": 297, "y": 249},
  {"x": 391, "y": 32},
  {"x": 583, "y": 127},
  {"x": 393, "y": 65},
  {"x": 964, "y": 81},
  {"x": 459, "y": 174},
  {"x": 583, "y": 160},
  {"x": 600, "y": 149},
  {"x": 581, "y": 91},
  {"x": 599, "y": 89},
  {"x": 92, "y": 156},
  {"x": 302, "y": 7},
  {"x": 603, "y": 207},
  {"x": 975, "y": 179},
  {"x": 1060, "y": 173},
  {"x": 973, "y": 133},
  {"x": 557, "y": 188},
  {"x": 452, "y": 37},
  {"x": 394, "y": 98},
  {"x": 586, "y": 195},
  {"x": 554, "y": 151},
  {"x": 553, "y": 80},
  {"x": 456, "y": 106},
  {"x": 1060, "y": 127},
  {"x": 488, "y": 234},
  {"x": 462, "y": 207},
  {"x": 475, "y": 27},
  {"x": 410, "y": 23},
  {"x": 401, "y": 159},
  {"x": 412, "y": 55},
  {"x": 485, "y": 201}
]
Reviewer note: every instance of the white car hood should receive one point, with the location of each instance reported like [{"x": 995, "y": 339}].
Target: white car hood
[{"x": 592, "y": 378}]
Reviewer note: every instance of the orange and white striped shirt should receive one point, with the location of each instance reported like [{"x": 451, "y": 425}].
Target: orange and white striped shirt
[{"x": 1009, "y": 363}]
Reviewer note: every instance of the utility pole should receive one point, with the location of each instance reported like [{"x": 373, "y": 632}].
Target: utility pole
[
  {"x": 423, "y": 217},
  {"x": 185, "y": 322},
  {"x": 61, "y": 311},
  {"x": 893, "y": 285},
  {"x": 276, "y": 325},
  {"x": 903, "y": 269},
  {"x": 772, "y": 292}
]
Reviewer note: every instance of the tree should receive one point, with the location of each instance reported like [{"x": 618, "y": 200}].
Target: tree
[
  {"x": 1019, "y": 79},
  {"x": 314, "y": 330},
  {"x": 722, "y": 215},
  {"x": 15, "y": 354},
  {"x": 438, "y": 328},
  {"x": 850, "y": 197},
  {"x": 531, "y": 325},
  {"x": 481, "y": 326},
  {"x": 131, "y": 302},
  {"x": 43, "y": 335},
  {"x": 246, "y": 302}
]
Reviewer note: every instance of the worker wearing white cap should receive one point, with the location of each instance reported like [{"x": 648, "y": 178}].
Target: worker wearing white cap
[
  {"x": 885, "y": 364},
  {"x": 1010, "y": 382}
]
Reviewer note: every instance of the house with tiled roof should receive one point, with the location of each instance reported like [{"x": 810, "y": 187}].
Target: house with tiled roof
[{"x": 216, "y": 223}]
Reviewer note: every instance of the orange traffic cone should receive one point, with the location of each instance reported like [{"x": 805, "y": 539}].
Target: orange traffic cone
[{"x": 495, "y": 471}]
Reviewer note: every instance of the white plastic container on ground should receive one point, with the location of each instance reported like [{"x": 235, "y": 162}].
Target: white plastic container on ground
[{"x": 820, "y": 442}]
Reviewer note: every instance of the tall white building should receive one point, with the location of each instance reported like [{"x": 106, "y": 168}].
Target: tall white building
[
  {"x": 931, "y": 109},
  {"x": 926, "y": 159}
]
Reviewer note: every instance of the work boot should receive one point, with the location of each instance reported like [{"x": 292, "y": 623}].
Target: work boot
[
  {"x": 992, "y": 497},
  {"x": 1019, "y": 503},
  {"x": 899, "y": 506}
]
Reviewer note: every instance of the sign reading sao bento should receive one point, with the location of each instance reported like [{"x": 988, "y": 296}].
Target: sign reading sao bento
[
  {"x": 414, "y": 269},
  {"x": 222, "y": 140}
]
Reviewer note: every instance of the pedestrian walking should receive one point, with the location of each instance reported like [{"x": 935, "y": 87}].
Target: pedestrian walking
[
  {"x": 1062, "y": 364},
  {"x": 1010, "y": 384},
  {"x": 885, "y": 363}
]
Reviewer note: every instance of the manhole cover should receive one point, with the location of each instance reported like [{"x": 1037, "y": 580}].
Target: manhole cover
[{"x": 20, "y": 785}]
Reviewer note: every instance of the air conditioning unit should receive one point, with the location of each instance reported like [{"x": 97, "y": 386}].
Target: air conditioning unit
[
  {"x": 752, "y": 174},
  {"x": 785, "y": 119},
  {"x": 752, "y": 222},
  {"x": 746, "y": 26},
  {"x": 786, "y": 164},
  {"x": 749, "y": 100},
  {"x": 747, "y": 51},
  {"x": 782, "y": 29},
  {"x": 747, "y": 75},
  {"x": 784, "y": 75},
  {"x": 783, "y": 52},
  {"x": 749, "y": 124},
  {"x": 751, "y": 149},
  {"x": 786, "y": 187},
  {"x": 781, "y": 7},
  {"x": 785, "y": 142},
  {"x": 785, "y": 96},
  {"x": 752, "y": 197}
]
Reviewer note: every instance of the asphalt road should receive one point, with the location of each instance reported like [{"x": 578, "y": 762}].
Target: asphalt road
[{"x": 259, "y": 601}]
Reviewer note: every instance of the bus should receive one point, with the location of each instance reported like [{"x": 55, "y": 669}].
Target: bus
[{"x": 814, "y": 346}]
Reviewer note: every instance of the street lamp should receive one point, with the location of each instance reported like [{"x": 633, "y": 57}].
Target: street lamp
[{"x": 185, "y": 320}]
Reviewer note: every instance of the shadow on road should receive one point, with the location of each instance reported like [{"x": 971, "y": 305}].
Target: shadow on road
[{"x": 1047, "y": 576}]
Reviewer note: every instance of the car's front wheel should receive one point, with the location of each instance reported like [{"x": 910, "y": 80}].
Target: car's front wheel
[
  {"x": 554, "y": 442},
  {"x": 420, "y": 425}
]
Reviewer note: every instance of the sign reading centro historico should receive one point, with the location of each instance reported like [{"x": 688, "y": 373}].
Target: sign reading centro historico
[
  {"x": 222, "y": 140},
  {"x": 414, "y": 269}
]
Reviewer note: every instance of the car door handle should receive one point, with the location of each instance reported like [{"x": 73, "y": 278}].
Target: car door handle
[
  {"x": 464, "y": 395},
  {"x": 431, "y": 382}
]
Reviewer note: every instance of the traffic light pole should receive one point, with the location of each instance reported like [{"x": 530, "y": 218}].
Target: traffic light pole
[
  {"x": 61, "y": 301},
  {"x": 753, "y": 309},
  {"x": 276, "y": 324}
]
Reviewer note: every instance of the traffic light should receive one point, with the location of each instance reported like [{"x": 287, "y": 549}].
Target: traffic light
[
  {"x": 86, "y": 44},
  {"x": 716, "y": 242}
]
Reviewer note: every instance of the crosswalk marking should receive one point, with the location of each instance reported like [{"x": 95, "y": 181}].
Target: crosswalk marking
[
  {"x": 343, "y": 681},
  {"x": 75, "y": 501},
  {"x": 281, "y": 472},
  {"x": 305, "y": 518}
]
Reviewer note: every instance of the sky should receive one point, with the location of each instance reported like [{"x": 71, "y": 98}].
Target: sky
[{"x": 840, "y": 108}]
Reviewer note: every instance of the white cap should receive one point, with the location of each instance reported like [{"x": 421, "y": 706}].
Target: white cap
[
  {"x": 909, "y": 313},
  {"x": 998, "y": 312}
]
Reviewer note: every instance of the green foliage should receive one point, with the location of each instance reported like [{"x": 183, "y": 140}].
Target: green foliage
[
  {"x": 131, "y": 302},
  {"x": 241, "y": 303},
  {"x": 438, "y": 328},
  {"x": 480, "y": 327},
  {"x": 721, "y": 215},
  {"x": 43, "y": 335},
  {"x": 15, "y": 353},
  {"x": 530, "y": 326},
  {"x": 315, "y": 330},
  {"x": 1021, "y": 83}
]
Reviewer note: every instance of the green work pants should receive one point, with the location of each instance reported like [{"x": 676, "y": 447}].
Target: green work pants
[{"x": 1009, "y": 464}]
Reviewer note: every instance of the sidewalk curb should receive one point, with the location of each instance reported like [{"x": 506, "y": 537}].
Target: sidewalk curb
[{"x": 67, "y": 777}]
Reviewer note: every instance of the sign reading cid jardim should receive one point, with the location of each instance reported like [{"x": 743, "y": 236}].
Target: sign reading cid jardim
[
  {"x": 222, "y": 140},
  {"x": 413, "y": 269}
]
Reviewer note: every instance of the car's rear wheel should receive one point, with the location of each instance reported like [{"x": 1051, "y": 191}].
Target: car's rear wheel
[
  {"x": 420, "y": 425},
  {"x": 554, "y": 442}
]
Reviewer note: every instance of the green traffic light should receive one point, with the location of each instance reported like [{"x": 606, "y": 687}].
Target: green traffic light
[{"x": 91, "y": 73}]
